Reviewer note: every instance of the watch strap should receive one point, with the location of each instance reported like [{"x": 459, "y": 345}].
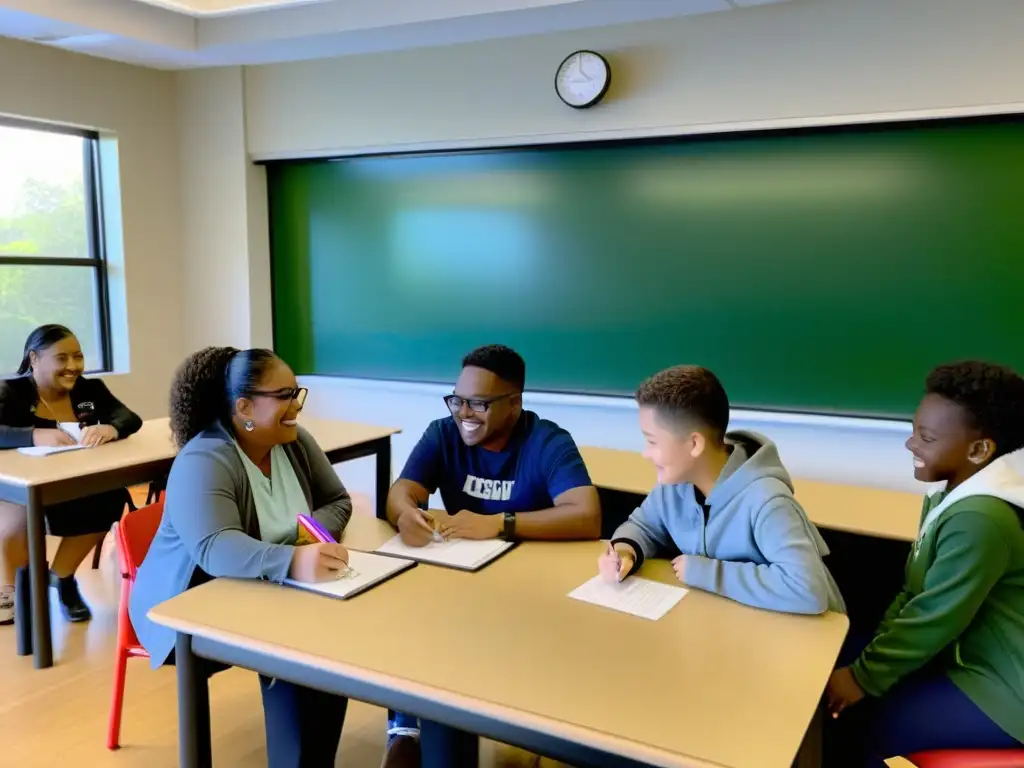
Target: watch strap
[{"x": 509, "y": 531}]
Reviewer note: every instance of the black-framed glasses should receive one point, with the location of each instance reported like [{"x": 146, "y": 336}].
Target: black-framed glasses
[
  {"x": 476, "y": 404},
  {"x": 298, "y": 395}
]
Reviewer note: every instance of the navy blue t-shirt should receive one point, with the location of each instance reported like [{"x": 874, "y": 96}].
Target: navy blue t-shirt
[{"x": 540, "y": 463}]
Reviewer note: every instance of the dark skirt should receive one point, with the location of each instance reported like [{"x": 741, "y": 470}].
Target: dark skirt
[{"x": 94, "y": 514}]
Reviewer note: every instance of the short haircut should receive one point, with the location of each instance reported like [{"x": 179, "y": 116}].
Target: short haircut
[
  {"x": 685, "y": 395},
  {"x": 502, "y": 361},
  {"x": 991, "y": 395}
]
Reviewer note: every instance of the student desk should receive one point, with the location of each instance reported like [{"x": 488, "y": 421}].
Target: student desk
[
  {"x": 36, "y": 481},
  {"x": 868, "y": 530},
  {"x": 506, "y": 654}
]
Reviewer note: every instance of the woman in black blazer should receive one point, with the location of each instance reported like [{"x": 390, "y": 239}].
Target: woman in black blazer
[{"x": 49, "y": 394}]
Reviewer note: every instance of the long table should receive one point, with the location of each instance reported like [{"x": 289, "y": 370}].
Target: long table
[
  {"x": 37, "y": 482},
  {"x": 506, "y": 654}
]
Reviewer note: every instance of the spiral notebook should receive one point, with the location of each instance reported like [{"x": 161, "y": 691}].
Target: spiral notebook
[{"x": 365, "y": 571}]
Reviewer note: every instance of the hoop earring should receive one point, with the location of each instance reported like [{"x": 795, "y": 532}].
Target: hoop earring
[{"x": 249, "y": 425}]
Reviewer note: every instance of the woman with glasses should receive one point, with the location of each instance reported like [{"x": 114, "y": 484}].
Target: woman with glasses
[
  {"x": 244, "y": 473},
  {"x": 51, "y": 404}
]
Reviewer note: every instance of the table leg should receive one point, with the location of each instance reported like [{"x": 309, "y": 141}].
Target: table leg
[
  {"x": 810, "y": 754},
  {"x": 23, "y": 611},
  {"x": 39, "y": 571},
  {"x": 194, "y": 747},
  {"x": 383, "y": 484}
]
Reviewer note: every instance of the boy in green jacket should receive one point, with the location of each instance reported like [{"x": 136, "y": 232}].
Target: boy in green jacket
[{"x": 945, "y": 668}]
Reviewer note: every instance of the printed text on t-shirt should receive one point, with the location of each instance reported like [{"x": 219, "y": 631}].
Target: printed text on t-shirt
[{"x": 496, "y": 490}]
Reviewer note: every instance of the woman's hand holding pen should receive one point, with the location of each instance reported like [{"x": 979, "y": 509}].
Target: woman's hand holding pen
[
  {"x": 616, "y": 562},
  {"x": 318, "y": 562},
  {"x": 52, "y": 438}
]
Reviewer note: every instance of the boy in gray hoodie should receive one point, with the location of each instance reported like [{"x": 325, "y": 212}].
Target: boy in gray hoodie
[{"x": 724, "y": 501}]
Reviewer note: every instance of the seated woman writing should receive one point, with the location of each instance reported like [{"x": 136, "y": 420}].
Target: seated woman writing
[
  {"x": 244, "y": 473},
  {"x": 48, "y": 404}
]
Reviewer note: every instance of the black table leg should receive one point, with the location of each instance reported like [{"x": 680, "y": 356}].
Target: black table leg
[
  {"x": 810, "y": 754},
  {"x": 39, "y": 571},
  {"x": 23, "y": 611},
  {"x": 194, "y": 746},
  {"x": 383, "y": 477}
]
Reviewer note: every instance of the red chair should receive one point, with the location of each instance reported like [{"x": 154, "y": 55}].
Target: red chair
[
  {"x": 133, "y": 535},
  {"x": 969, "y": 758}
]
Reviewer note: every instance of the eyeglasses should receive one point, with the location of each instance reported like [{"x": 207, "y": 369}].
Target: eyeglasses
[
  {"x": 284, "y": 395},
  {"x": 476, "y": 404}
]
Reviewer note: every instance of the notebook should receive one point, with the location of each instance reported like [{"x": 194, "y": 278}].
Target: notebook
[
  {"x": 365, "y": 571},
  {"x": 46, "y": 450},
  {"x": 463, "y": 554},
  {"x": 71, "y": 428}
]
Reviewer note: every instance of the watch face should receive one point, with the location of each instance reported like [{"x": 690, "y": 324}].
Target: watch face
[{"x": 582, "y": 79}]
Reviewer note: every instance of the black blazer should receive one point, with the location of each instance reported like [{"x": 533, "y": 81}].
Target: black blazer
[{"x": 92, "y": 402}]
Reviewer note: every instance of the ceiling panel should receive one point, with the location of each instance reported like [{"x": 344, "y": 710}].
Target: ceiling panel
[
  {"x": 179, "y": 34},
  {"x": 218, "y": 7}
]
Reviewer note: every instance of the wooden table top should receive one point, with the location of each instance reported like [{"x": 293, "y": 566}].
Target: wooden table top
[
  {"x": 712, "y": 683},
  {"x": 153, "y": 443},
  {"x": 856, "y": 509}
]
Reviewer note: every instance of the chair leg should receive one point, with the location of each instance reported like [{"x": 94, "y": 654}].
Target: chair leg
[{"x": 117, "y": 702}]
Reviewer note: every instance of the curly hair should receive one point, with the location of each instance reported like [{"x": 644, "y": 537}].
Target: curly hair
[
  {"x": 991, "y": 395},
  {"x": 208, "y": 383},
  {"x": 502, "y": 361},
  {"x": 688, "y": 394}
]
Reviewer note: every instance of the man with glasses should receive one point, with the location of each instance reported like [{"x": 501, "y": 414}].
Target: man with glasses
[{"x": 502, "y": 472}]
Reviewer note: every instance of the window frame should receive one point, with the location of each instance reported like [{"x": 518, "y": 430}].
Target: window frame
[{"x": 95, "y": 230}]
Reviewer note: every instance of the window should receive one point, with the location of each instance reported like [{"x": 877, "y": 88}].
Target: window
[{"x": 52, "y": 267}]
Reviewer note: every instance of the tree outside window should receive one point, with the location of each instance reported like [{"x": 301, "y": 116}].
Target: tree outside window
[{"x": 52, "y": 267}]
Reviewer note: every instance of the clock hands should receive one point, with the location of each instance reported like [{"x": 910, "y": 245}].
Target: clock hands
[{"x": 579, "y": 67}]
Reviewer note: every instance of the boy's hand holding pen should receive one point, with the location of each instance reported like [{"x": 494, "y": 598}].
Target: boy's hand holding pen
[{"x": 616, "y": 562}]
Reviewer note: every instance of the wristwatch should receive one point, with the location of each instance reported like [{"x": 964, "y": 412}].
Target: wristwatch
[{"x": 509, "y": 531}]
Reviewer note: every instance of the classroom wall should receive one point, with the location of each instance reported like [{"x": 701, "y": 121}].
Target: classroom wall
[
  {"x": 804, "y": 62},
  {"x": 797, "y": 61},
  {"x": 224, "y": 215},
  {"x": 138, "y": 108}
]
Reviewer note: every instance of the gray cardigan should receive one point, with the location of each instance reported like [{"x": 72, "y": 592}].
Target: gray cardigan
[{"x": 210, "y": 523}]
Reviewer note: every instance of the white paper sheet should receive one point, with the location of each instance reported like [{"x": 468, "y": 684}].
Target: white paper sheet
[
  {"x": 639, "y": 597},
  {"x": 455, "y": 553},
  {"x": 73, "y": 430},
  {"x": 366, "y": 571},
  {"x": 45, "y": 450}
]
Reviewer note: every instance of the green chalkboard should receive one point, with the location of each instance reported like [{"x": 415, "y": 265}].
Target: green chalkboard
[{"x": 816, "y": 271}]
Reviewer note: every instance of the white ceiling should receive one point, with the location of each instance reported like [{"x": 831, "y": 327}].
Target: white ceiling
[
  {"x": 181, "y": 34},
  {"x": 222, "y": 7}
]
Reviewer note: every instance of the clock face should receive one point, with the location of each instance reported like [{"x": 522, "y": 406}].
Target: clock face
[{"x": 582, "y": 79}]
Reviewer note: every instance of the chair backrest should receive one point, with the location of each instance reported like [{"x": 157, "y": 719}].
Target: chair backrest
[{"x": 134, "y": 534}]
